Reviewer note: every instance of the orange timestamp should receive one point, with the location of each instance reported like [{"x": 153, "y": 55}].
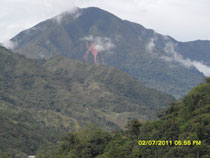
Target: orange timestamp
[{"x": 169, "y": 142}]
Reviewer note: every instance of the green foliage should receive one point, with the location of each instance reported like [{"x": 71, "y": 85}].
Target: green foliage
[
  {"x": 207, "y": 79},
  {"x": 133, "y": 128},
  {"x": 4, "y": 155},
  {"x": 173, "y": 125},
  {"x": 86, "y": 143},
  {"x": 42, "y": 100}
]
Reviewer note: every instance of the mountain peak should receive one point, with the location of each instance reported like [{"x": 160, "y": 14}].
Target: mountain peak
[{"x": 93, "y": 35}]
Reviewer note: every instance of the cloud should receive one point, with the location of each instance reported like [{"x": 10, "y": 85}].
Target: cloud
[
  {"x": 9, "y": 44},
  {"x": 150, "y": 45},
  {"x": 74, "y": 12},
  {"x": 171, "y": 55},
  {"x": 202, "y": 68},
  {"x": 102, "y": 44}
]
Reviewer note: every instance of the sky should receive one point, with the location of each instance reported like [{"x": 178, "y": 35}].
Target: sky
[{"x": 184, "y": 20}]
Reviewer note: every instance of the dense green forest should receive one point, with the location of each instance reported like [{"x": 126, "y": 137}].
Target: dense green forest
[
  {"x": 40, "y": 101},
  {"x": 188, "y": 120}
]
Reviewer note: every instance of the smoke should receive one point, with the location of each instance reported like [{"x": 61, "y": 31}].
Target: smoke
[
  {"x": 9, "y": 44},
  {"x": 74, "y": 12},
  {"x": 102, "y": 44}
]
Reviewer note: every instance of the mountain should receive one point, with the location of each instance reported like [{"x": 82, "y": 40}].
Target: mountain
[
  {"x": 196, "y": 51},
  {"x": 157, "y": 61},
  {"x": 183, "y": 130},
  {"x": 41, "y": 100}
]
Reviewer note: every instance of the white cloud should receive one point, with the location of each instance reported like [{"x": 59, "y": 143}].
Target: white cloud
[
  {"x": 74, "y": 12},
  {"x": 150, "y": 45},
  {"x": 102, "y": 44},
  {"x": 202, "y": 68},
  {"x": 173, "y": 56},
  {"x": 9, "y": 44}
]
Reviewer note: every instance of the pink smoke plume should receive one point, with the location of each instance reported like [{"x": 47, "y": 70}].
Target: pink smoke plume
[{"x": 94, "y": 52}]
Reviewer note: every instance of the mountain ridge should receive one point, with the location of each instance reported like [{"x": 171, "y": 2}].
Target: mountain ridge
[{"x": 155, "y": 60}]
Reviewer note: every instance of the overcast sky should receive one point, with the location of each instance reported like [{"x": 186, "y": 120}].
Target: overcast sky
[{"x": 182, "y": 19}]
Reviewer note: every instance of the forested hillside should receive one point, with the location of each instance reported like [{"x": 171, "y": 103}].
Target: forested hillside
[
  {"x": 185, "y": 125},
  {"x": 42, "y": 100}
]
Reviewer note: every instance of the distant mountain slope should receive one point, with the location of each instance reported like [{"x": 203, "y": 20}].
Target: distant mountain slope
[
  {"x": 41, "y": 100},
  {"x": 196, "y": 51},
  {"x": 111, "y": 79},
  {"x": 155, "y": 60}
]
